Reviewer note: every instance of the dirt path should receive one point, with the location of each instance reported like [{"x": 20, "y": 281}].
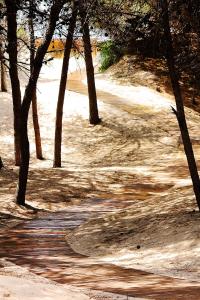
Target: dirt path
[{"x": 40, "y": 246}]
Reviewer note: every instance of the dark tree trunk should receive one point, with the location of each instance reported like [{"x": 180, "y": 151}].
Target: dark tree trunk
[
  {"x": 38, "y": 143},
  {"x": 13, "y": 70},
  {"x": 93, "y": 107},
  {"x": 3, "y": 71},
  {"x": 3, "y": 77},
  {"x": 36, "y": 125},
  {"x": 62, "y": 89},
  {"x": 1, "y": 163},
  {"x": 29, "y": 92},
  {"x": 179, "y": 103},
  {"x": 2, "y": 59}
]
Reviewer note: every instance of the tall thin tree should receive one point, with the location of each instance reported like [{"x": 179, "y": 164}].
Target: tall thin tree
[
  {"x": 36, "y": 125},
  {"x": 180, "y": 114},
  {"x": 2, "y": 49},
  {"x": 11, "y": 6},
  {"x": 3, "y": 71},
  {"x": 28, "y": 95},
  {"x": 62, "y": 88},
  {"x": 93, "y": 107}
]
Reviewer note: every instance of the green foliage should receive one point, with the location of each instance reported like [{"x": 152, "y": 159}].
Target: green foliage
[
  {"x": 110, "y": 54},
  {"x": 21, "y": 32},
  {"x": 141, "y": 7}
]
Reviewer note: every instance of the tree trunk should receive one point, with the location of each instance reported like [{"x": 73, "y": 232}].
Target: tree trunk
[
  {"x": 3, "y": 77},
  {"x": 179, "y": 103},
  {"x": 93, "y": 107},
  {"x": 25, "y": 156},
  {"x": 38, "y": 144},
  {"x": 29, "y": 92},
  {"x": 2, "y": 60},
  {"x": 3, "y": 71},
  {"x": 13, "y": 70},
  {"x": 62, "y": 89},
  {"x": 1, "y": 163}
]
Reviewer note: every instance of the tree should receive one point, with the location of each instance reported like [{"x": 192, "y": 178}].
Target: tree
[
  {"x": 2, "y": 49},
  {"x": 36, "y": 126},
  {"x": 3, "y": 71},
  {"x": 30, "y": 88},
  {"x": 11, "y": 7},
  {"x": 93, "y": 107},
  {"x": 180, "y": 114},
  {"x": 62, "y": 88}
]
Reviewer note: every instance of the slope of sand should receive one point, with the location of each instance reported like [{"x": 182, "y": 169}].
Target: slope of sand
[{"x": 132, "y": 155}]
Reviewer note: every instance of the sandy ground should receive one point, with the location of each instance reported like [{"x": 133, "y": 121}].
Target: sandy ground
[
  {"x": 132, "y": 154},
  {"x": 17, "y": 283}
]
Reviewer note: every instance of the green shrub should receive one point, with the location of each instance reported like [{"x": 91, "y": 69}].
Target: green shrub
[{"x": 110, "y": 53}]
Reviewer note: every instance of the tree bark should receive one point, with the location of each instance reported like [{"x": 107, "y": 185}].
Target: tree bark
[
  {"x": 38, "y": 143},
  {"x": 93, "y": 107},
  {"x": 13, "y": 70},
  {"x": 3, "y": 71},
  {"x": 36, "y": 126},
  {"x": 2, "y": 60},
  {"x": 3, "y": 77},
  {"x": 179, "y": 102},
  {"x": 1, "y": 163},
  {"x": 62, "y": 89},
  {"x": 29, "y": 91}
]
